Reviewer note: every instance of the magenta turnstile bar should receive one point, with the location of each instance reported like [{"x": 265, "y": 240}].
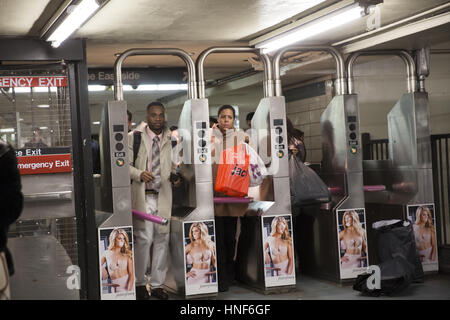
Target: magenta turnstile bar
[
  {"x": 149, "y": 217},
  {"x": 379, "y": 187}
]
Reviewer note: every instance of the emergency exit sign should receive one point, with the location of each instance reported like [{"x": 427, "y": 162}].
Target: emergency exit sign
[
  {"x": 44, "y": 160},
  {"x": 19, "y": 81}
]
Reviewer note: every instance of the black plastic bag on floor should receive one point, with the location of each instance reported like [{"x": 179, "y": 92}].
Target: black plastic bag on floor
[
  {"x": 400, "y": 263},
  {"x": 306, "y": 185}
]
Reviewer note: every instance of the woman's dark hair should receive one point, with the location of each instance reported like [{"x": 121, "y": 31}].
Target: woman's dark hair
[
  {"x": 226, "y": 106},
  {"x": 293, "y": 132},
  {"x": 249, "y": 116},
  {"x": 212, "y": 119}
]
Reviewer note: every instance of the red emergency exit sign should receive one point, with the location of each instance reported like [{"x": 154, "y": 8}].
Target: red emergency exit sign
[
  {"x": 45, "y": 160},
  {"x": 17, "y": 81}
]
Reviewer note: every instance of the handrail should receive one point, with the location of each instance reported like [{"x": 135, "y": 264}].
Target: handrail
[
  {"x": 268, "y": 82},
  {"x": 44, "y": 196},
  {"x": 118, "y": 86},
  {"x": 340, "y": 66},
  {"x": 411, "y": 77}
]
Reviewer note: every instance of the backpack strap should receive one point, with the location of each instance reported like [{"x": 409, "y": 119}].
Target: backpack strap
[{"x": 137, "y": 136}]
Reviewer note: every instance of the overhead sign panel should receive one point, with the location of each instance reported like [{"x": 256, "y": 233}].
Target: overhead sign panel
[{"x": 137, "y": 76}]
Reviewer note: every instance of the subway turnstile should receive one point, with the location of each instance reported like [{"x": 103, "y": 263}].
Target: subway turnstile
[
  {"x": 192, "y": 202},
  {"x": 195, "y": 205},
  {"x": 406, "y": 176},
  {"x": 321, "y": 227},
  {"x": 268, "y": 202}
]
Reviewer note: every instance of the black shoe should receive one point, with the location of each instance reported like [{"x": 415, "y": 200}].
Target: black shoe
[
  {"x": 142, "y": 293},
  {"x": 159, "y": 293}
]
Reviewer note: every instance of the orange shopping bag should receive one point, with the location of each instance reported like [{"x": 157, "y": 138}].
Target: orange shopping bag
[{"x": 232, "y": 174}]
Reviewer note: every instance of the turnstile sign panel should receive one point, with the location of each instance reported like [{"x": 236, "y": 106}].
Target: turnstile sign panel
[
  {"x": 423, "y": 220},
  {"x": 117, "y": 274},
  {"x": 278, "y": 248},
  {"x": 200, "y": 257},
  {"x": 352, "y": 242}
]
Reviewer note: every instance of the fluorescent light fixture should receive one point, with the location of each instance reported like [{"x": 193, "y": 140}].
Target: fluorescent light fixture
[
  {"x": 315, "y": 27},
  {"x": 6, "y": 130},
  {"x": 157, "y": 87},
  {"x": 22, "y": 89},
  {"x": 43, "y": 128},
  {"x": 44, "y": 89},
  {"x": 35, "y": 89},
  {"x": 74, "y": 19},
  {"x": 96, "y": 122},
  {"x": 96, "y": 88},
  {"x": 43, "y": 106}
]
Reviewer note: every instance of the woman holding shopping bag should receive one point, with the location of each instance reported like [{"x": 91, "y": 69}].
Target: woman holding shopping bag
[{"x": 225, "y": 136}]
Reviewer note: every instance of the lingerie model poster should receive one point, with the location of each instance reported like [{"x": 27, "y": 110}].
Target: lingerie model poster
[
  {"x": 116, "y": 257},
  {"x": 200, "y": 257},
  {"x": 423, "y": 221},
  {"x": 278, "y": 247},
  {"x": 352, "y": 242}
]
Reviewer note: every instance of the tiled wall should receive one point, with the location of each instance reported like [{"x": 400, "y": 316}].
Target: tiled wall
[{"x": 305, "y": 115}]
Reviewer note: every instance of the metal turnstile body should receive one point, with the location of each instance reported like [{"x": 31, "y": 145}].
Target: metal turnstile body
[
  {"x": 342, "y": 172},
  {"x": 114, "y": 202},
  {"x": 407, "y": 174},
  {"x": 196, "y": 197},
  {"x": 269, "y": 123}
]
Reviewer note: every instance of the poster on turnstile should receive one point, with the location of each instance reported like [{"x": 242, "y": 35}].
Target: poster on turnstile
[
  {"x": 200, "y": 257},
  {"x": 278, "y": 248},
  {"x": 117, "y": 273},
  {"x": 422, "y": 218},
  {"x": 352, "y": 242}
]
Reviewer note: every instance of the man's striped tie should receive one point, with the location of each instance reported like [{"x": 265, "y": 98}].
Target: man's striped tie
[{"x": 156, "y": 168}]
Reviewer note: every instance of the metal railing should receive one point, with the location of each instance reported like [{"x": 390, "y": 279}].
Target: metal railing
[
  {"x": 374, "y": 149},
  {"x": 441, "y": 179}
]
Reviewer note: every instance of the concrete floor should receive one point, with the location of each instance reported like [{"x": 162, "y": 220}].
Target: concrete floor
[{"x": 435, "y": 287}]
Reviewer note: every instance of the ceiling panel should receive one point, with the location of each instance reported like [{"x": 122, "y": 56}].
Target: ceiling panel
[{"x": 17, "y": 17}]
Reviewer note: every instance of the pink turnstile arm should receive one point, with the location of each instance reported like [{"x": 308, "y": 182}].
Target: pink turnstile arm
[
  {"x": 149, "y": 217},
  {"x": 378, "y": 187}
]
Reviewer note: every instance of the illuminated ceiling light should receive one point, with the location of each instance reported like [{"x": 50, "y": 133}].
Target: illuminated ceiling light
[
  {"x": 43, "y": 128},
  {"x": 43, "y": 89},
  {"x": 6, "y": 130},
  {"x": 156, "y": 87},
  {"x": 70, "y": 19},
  {"x": 97, "y": 88},
  {"x": 43, "y": 106},
  {"x": 312, "y": 28},
  {"x": 170, "y": 87},
  {"x": 22, "y": 89},
  {"x": 96, "y": 122}
]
